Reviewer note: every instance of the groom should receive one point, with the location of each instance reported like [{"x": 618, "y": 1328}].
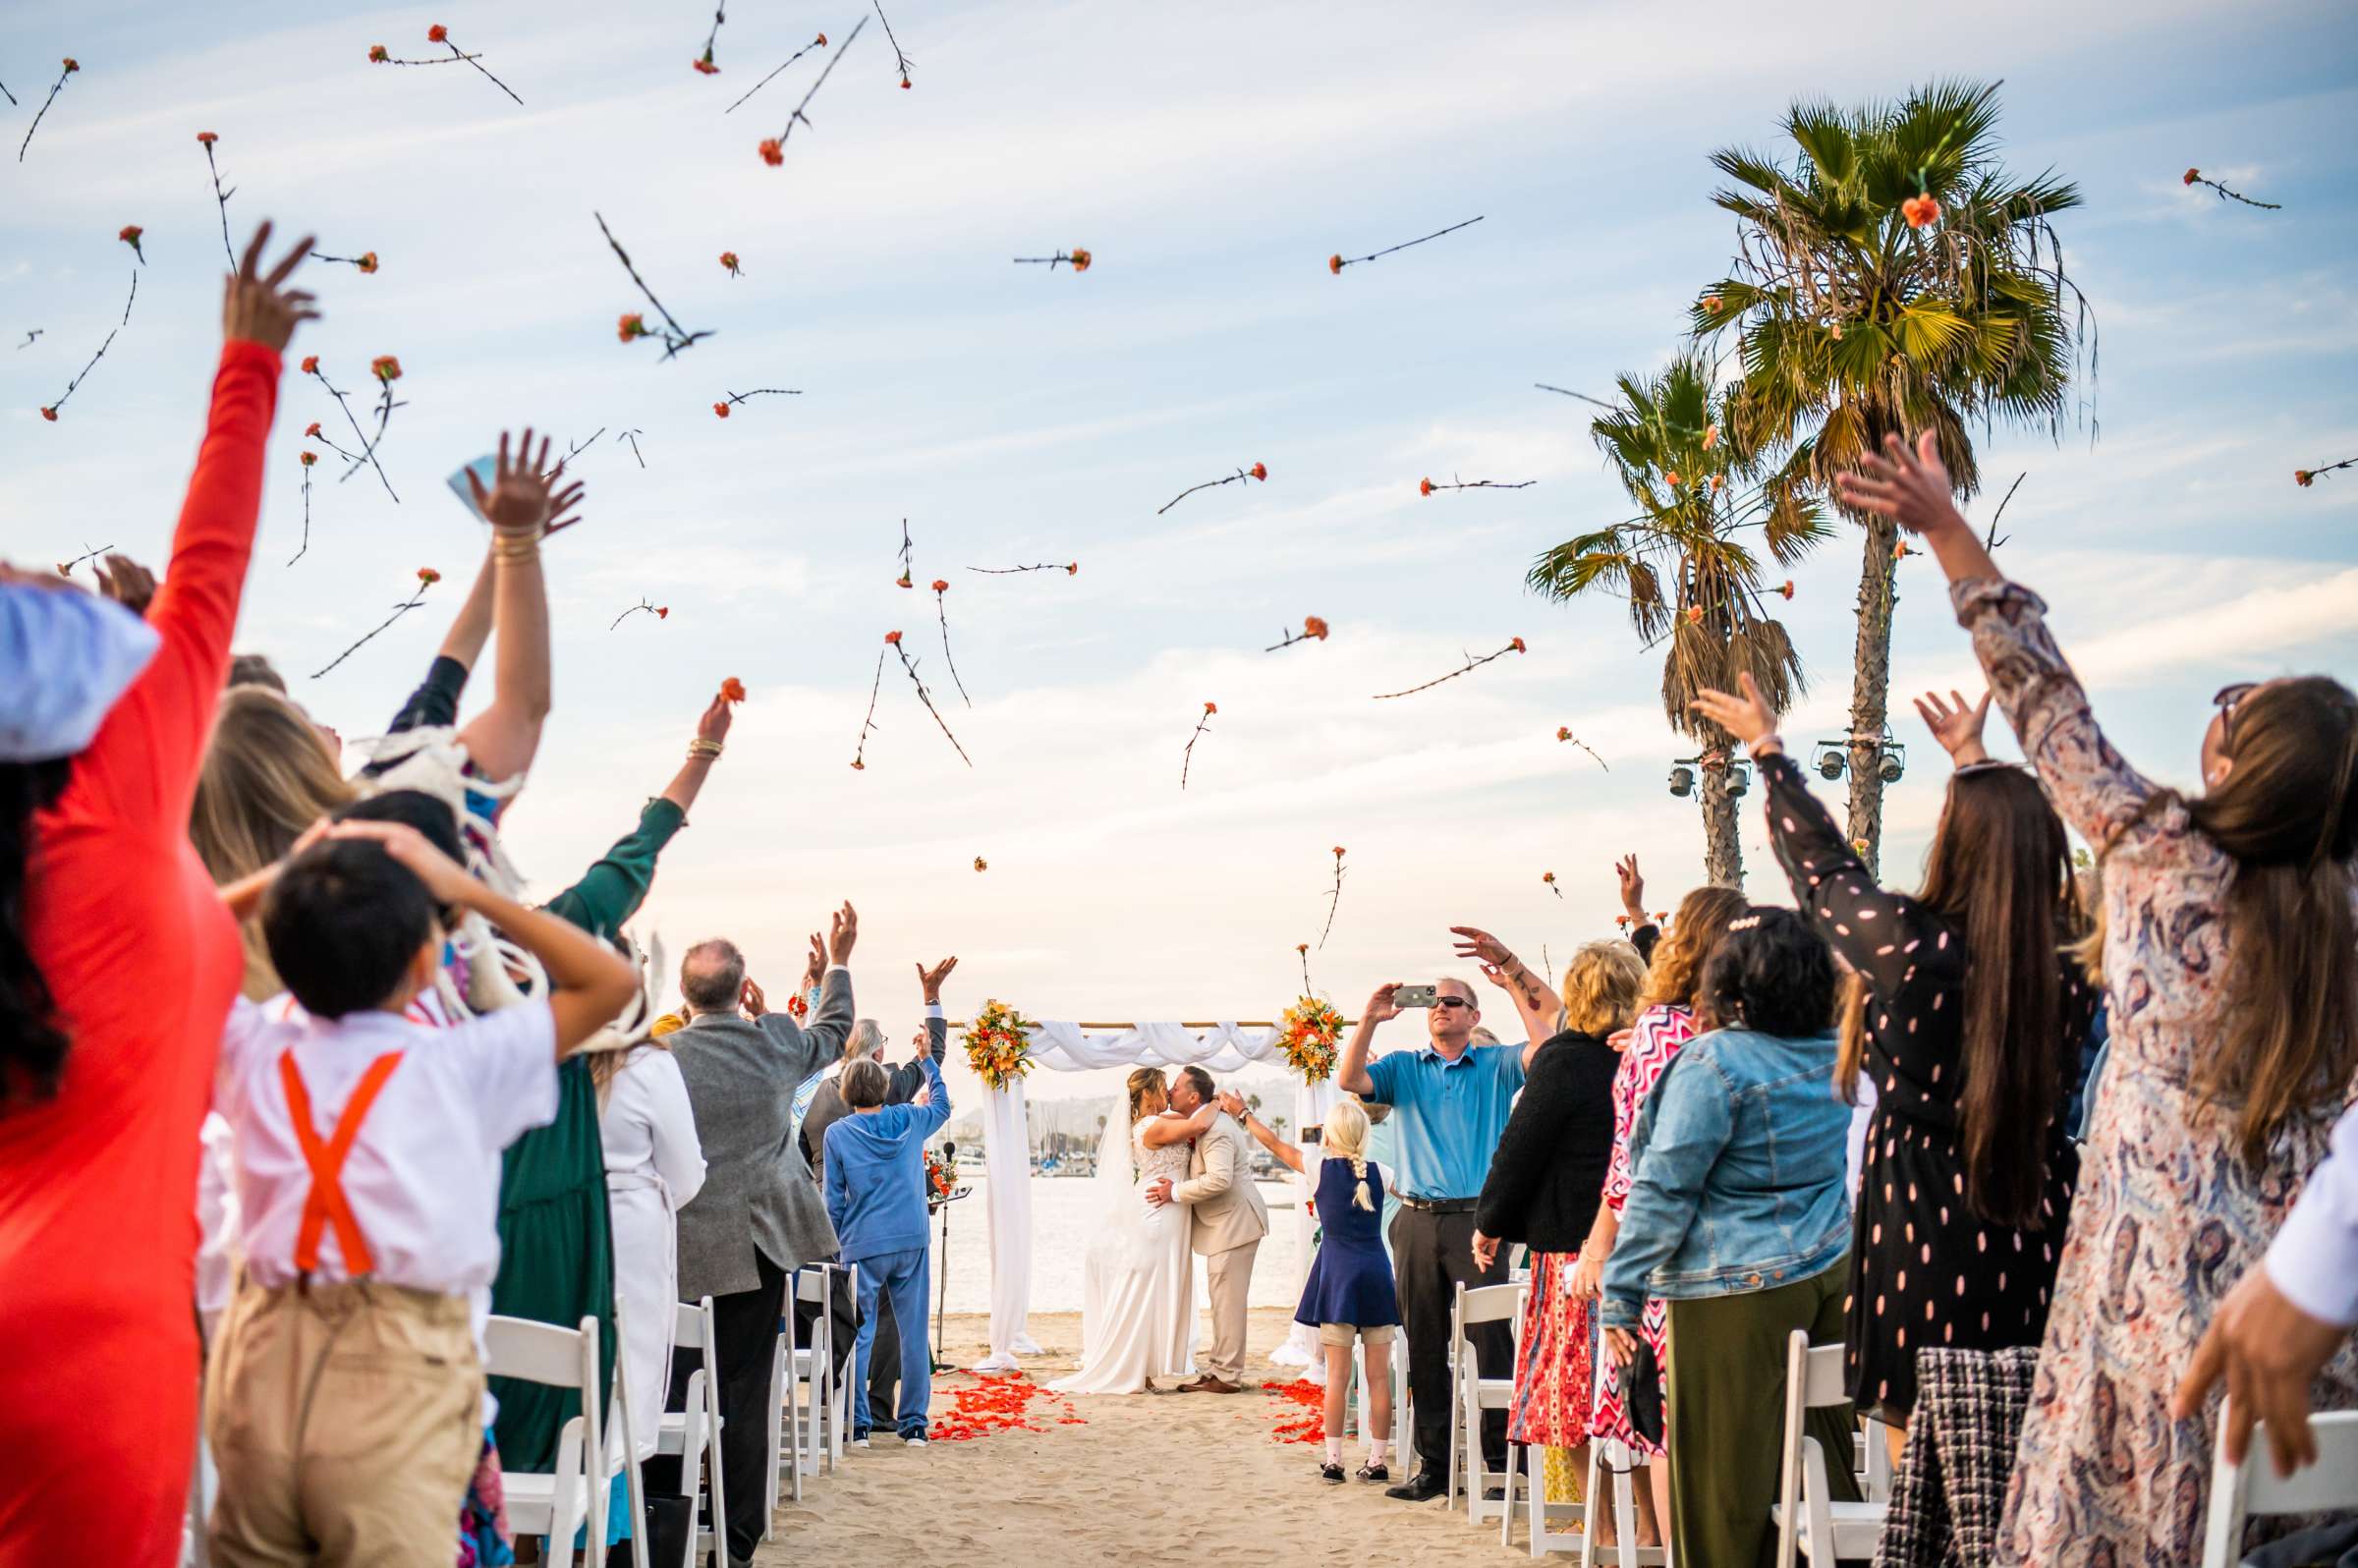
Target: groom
[{"x": 1226, "y": 1221}]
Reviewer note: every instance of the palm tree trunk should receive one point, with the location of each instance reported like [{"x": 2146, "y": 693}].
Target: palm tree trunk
[
  {"x": 1723, "y": 850},
  {"x": 1870, "y": 689}
]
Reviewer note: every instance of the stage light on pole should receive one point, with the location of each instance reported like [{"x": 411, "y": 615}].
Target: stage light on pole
[
  {"x": 1826, "y": 756},
  {"x": 1739, "y": 779},
  {"x": 1682, "y": 780}
]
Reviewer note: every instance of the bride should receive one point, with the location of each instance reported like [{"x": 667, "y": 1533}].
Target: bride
[{"x": 1138, "y": 1294}]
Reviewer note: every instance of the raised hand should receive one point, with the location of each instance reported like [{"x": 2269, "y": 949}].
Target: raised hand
[
  {"x": 930, "y": 979},
  {"x": 1911, "y": 489},
  {"x": 1747, "y": 718},
  {"x": 1480, "y": 945},
  {"x": 750, "y": 997},
  {"x": 520, "y": 500},
  {"x": 1633, "y": 888},
  {"x": 1381, "y": 1005},
  {"x": 816, "y": 964},
  {"x": 843, "y": 929},
  {"x": 1232, "y": 1102},
  {"x": 1957, "y": 724},
  {"x": 713, "y": 726},
  {"x": 446, "y": 880},
  {"x": 254, "y": 310},
  {"x": 127, "y": 582}
]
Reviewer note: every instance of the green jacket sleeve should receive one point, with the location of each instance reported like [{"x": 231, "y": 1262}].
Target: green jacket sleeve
[{"x": 610, "y": 892}]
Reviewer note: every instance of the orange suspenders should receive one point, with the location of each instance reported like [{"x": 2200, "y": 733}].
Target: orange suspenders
[{"x": 327, "y": 1204}]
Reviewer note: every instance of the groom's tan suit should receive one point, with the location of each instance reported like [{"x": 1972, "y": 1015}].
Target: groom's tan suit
[{"x": 1226, "y": 1220}]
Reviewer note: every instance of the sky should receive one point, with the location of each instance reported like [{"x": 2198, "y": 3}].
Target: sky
[{"x": 1210, "y": 157}]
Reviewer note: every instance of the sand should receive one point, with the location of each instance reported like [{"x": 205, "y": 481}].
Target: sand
[{"x": 1147, "y": 1481}]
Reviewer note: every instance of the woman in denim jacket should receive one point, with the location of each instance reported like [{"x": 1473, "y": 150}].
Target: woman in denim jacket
[{"x": 1739, "y": 1217}]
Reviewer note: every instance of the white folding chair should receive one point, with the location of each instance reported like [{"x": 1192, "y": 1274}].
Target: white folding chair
[
  {"x": 2239, "y": 1492},
  {"x": 693, "y": 1433},
  {"x": 557, "y": 1502},
  {"x": 1471, "y": 1393},
  {"x": 803, "y": 1390},
  {"x": 1809, "y": 1522}
]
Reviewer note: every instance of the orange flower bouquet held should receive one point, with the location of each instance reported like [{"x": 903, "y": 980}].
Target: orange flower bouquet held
[
  {"x": 1187, "y": 758},
  {"x": 1337, "y": 263},
  {"x": 1514, "y": 646},
  {"x": 49, "y": 411},
  {"x": 427, "y": 576},
  {"x": 71, "y": 65},
  {"x": 675, "y": 336},
  {"x": 368, "y": 452},
  {"x": 999, "y": 1046},
  {"x": 819, "y": 42},
  {"x": 378, "y": 54},
  {"x": 773, "y": 148},
  {"x": 2196, "y": 177},
  {"x": 1077, "y": 258},
  {"x": 1314, "y": 628},
  {"x": 1427, "y": 487},
  {"x": 1255, "y": 472},
  {"x": 1334, "y": 898},
  {"x": 1306, "y": 1035}
]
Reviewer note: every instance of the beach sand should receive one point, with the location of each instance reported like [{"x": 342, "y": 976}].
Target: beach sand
[{"x": 1141, "y": 1480}]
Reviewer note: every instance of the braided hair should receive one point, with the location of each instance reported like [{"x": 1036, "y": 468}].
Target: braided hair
[{"x": 1345, "y": 1136}]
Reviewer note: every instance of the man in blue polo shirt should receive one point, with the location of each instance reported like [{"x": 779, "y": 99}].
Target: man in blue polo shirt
[{"x": 1449, "y": 1101}]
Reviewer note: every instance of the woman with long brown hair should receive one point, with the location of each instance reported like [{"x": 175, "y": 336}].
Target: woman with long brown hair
[
  {"x": 2232, "y": 957},
  {"x": 1665, "y": 1022},
  {"x": 1966, "y": 1014}
]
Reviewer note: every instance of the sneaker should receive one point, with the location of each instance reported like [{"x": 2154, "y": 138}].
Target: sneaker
[
  {"x": 918, "y": 1441},
  {"x": 1375, "y": 1473},
  {"x": 1331, "y": 1474},
  {"x": 1423, "y": 1486},
  {"x": 859, "y": 1440}
]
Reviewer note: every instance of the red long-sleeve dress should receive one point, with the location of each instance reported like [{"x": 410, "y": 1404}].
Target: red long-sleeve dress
[{"x": 98, "y": 1356}]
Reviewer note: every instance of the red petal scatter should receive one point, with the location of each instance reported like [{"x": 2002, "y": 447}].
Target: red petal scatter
[
  {"x": 999, "y": 1404},
  {"x": 1308, "y": 1422}
]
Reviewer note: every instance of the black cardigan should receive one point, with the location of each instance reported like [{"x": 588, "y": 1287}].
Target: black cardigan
[{"x": 1549, "y": 1172}]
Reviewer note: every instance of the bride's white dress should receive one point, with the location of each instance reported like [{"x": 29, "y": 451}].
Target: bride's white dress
[{"x": 1138, "y": 1316}]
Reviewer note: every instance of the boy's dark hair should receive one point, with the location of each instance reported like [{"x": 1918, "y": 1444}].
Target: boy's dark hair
[
  {"x": 343, "y": 922},
  {"x": 1770, "y": 972},
  {"x": 416, "y": 808}
]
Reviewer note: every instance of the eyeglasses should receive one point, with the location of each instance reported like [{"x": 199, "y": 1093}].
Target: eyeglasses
[
  {"x": 1451, "y": 1001},
  {"x": 2226, "y": 699}
]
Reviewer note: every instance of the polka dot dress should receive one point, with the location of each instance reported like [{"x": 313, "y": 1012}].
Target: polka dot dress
[{"x": 1926, "y": 1268}]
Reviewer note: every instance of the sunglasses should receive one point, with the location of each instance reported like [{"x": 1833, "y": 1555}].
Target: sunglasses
[
  {"x": 1451, "y": 1001},
  {"x": 2226, "y": 701}
]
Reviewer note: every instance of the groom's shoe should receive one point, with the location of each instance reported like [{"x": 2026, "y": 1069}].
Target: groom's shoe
[
  {"x": 1209, "y": 1384},
  {"x": 1423, "y": 1486}
]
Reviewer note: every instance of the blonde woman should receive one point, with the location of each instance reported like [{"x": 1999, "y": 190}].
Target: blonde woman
[{"x": 1350, "y": 1295}]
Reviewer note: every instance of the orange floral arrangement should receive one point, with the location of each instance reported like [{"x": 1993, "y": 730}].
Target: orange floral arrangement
[
  {"x": 999, "y": 1046},
  {"x": 941, "y": 1177},
  {"x": 1306, "y": 1035}
]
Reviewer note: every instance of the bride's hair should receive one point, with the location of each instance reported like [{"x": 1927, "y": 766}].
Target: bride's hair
[
  {"x": 1345, "y": 1135},
  {"x": 1142, "y": 1082}
]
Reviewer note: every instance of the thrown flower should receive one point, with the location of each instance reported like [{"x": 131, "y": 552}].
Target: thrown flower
[
  {"x": 1786, "y": 587},
  {"x": 1187, "y": 758},
  {"x": 1256, "y": 471},
  {"x": 2305, "y": 477},
  {"x": 819, "y": 42},
  {"x": 1334, "y": 898},
  {"x": 130, "y": 235},
  {"x": 2195, "y": 177},
  {"x": 1514, "y": 646},
  {"x": 942, "y": 588},
  {"x": 1563, "y": 732},
  {"x": 72, "y": 66},
  {"x": 378, "y": 54},
  {"x": 728, "y": 259},
  {"x": 1427, "y": 486},
  {"x": 982, "y": 865},
  {"x": 385, "y": 369},
  {"x": 1548, "y": 877},
  {"x": 643, "y": 604},
  {"x": 427, "y": 576},
  {"x": 1314, "y": 627},
  {"x": 773, "y": 148},
  {"x": 49, "y": 412},
  {"x": 1337, "y": 263},
  {"x": 1077, "y": 258},
  {"x": 757, "y": 392},
  {"x": 720, "y": 411}
]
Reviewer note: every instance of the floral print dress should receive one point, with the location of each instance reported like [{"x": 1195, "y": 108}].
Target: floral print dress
[
  {"x": 2167, "y": 1216},
  {"x": 1654, "y": 1043}
]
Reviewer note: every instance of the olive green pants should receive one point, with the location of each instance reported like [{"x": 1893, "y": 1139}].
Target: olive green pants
[{"x": 1727, "y": 1414}]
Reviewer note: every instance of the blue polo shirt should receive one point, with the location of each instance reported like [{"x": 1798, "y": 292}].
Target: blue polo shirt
[{"x": 1449, "y": 1116}]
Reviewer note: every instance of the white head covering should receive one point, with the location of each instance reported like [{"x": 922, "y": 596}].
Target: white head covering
[{"x": 66, "y": 657}]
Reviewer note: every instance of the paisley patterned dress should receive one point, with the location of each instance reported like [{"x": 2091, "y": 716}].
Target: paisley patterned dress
[
  {"x": 2167, "y": 1216},
  {"x": 1655, "y": 1041}
]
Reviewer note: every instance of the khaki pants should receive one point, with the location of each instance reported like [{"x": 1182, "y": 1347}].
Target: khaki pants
[
  {"x": 1228, "y": 1277},
  {"x": 345, "y": 1420}
]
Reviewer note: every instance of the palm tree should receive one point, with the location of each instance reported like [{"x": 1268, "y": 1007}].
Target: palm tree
[
  {"x": 1683, "y": 565},
  {"x": 1853, "y": 320}
]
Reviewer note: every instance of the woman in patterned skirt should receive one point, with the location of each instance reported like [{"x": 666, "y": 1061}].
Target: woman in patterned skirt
[
  {"x": 1665, "y": 1022},
  {"x": 2231, "y": 959},
  {"x": 1544, "y": 1186}
]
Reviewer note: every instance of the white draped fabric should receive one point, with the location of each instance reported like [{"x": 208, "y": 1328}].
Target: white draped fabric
[{"x": 1007, "y": 1143}]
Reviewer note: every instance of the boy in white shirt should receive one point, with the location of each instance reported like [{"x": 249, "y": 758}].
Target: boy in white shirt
[{"x": 344, "y": 1396}]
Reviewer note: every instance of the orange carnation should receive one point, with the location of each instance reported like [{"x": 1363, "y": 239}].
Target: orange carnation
[
  {"x": 367, "y": 261},
  {"x": 378, "y": 54},
  {"x": 1671, "y": 478},
  {"x": 1072, "y": 569},
  {"x": 728, "y": 258},
  {"x": 941, "y": 585},
  {"x": 662, "y": 613},
  {"x": 1210, "y": 708},
  {"x": 428, "y": 576},
  {"x": 50, "y": 414},
  {"x": 822, "y": 43},
  {"x": 732, "y": 689},
  {"x": 385, "y": 368},
  {"x": 1080, "y": 259},
  {"x": 893, "y": 638},
  {"x": 312, "y": 430},
  {"x": 631, "y": 326},
  {"x": 722, "y": 409},
  {"x": 1423, "y": 486},
  {"x": 982, "y": 865},
  {"x": 310, "y": 365},
  {"x": 773, "y": 152},
  {"x": 903, "y": 581},
  {"x": 437, "y": 34},
  {"x": 1338, "y": 852},
  {"x": 1314, "y": 626},
  {"x": 207, "y": 138},
  {"x": 1517, "y": 645},
  {"x": 706, "y": 66},
  {"x": 1259, "y": 472},
  {"x": 309, "y": 458},
  {"x": 904, "y": 83},
  {"x": 2303, "y": 477},
  {"x": 71, "y": 65},
  {"x": 2192, "y": 175},
  {"x": 1787, "y": 588},
  {"x": 1920, "y": 212},
  {"x": 1334, "y": 264}
]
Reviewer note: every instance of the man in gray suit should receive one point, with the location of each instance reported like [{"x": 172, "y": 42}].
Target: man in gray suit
[{"x": 758, "y": 1216}]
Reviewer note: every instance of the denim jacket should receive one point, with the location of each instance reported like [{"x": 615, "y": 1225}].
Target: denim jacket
[{"x": 1739, "y": 1157}]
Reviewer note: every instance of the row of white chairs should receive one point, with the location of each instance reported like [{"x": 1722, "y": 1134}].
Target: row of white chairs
[{"x": 810, "y": 1405}]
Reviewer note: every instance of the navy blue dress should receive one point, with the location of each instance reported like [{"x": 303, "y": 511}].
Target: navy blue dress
[{"x": 1351, "y": 1277}]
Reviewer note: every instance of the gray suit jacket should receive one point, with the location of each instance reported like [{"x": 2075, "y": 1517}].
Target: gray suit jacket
[
  {"x": 757, "y": 1194},
  {"x": 1225, "y": 1207}
]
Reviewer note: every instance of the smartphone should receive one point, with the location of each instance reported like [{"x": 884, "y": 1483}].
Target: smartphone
[
  {"x": 486, "y": 469},
  {"x": 1413, "y": 996}
]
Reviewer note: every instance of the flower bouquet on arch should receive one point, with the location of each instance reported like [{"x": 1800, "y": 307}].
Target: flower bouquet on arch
[
  {"x": 999, "y": 1046},
  {"x": 941, "y": 1177},
  {"x": 1308, "y": 1033}
]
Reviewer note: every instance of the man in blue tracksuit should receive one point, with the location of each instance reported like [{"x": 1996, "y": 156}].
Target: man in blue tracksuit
[{"x": 876, "y": 1178}]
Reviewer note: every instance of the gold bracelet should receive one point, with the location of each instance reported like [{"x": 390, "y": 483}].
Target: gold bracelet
[
  {"x": 700, "y": 747},
  {"x": 515, "y": 546}
]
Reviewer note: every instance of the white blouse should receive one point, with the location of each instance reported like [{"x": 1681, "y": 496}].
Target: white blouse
[{"x": 649, "y": 1129}]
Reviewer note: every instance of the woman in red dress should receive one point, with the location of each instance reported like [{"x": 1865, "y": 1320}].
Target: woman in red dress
[{"x": 98, "y": 1143}]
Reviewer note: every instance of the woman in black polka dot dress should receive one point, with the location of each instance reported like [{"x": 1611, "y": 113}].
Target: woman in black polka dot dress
[{"x": 1965, "y": 1017}]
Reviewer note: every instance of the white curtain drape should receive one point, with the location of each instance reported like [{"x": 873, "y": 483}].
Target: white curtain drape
[{"x": 1007, "y": 1144}]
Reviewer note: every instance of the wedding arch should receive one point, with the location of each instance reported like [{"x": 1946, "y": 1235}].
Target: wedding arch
[{"x": 1071, "y": 1047}]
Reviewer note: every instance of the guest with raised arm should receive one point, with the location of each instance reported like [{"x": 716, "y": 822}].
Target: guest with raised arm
[
  {"x": 1966, "y": 1010},
  {"x": 759, "y": 1218},
  {"x": 1450, "y": 1100},
  {"x": 1543, "y": 1189},
  {"x": 119, "y": 965},
  {"x": 2231, "y": 959},
  {"x": 1665, "y": 1022},
  {"x": 1541, "y": 1014},
  {"x": 1739, "y": 1215},
  {"x": 1643, "y": 932}
]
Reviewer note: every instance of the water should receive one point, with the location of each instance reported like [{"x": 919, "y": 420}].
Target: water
[{"x": 1063, "y": 1213}]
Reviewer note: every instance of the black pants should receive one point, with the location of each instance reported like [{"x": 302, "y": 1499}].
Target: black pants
[
  {"x": 884, "y": 1361},
  {"x": 1431, "y": 1256},
  {"x": 746, "y": 1328}
]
